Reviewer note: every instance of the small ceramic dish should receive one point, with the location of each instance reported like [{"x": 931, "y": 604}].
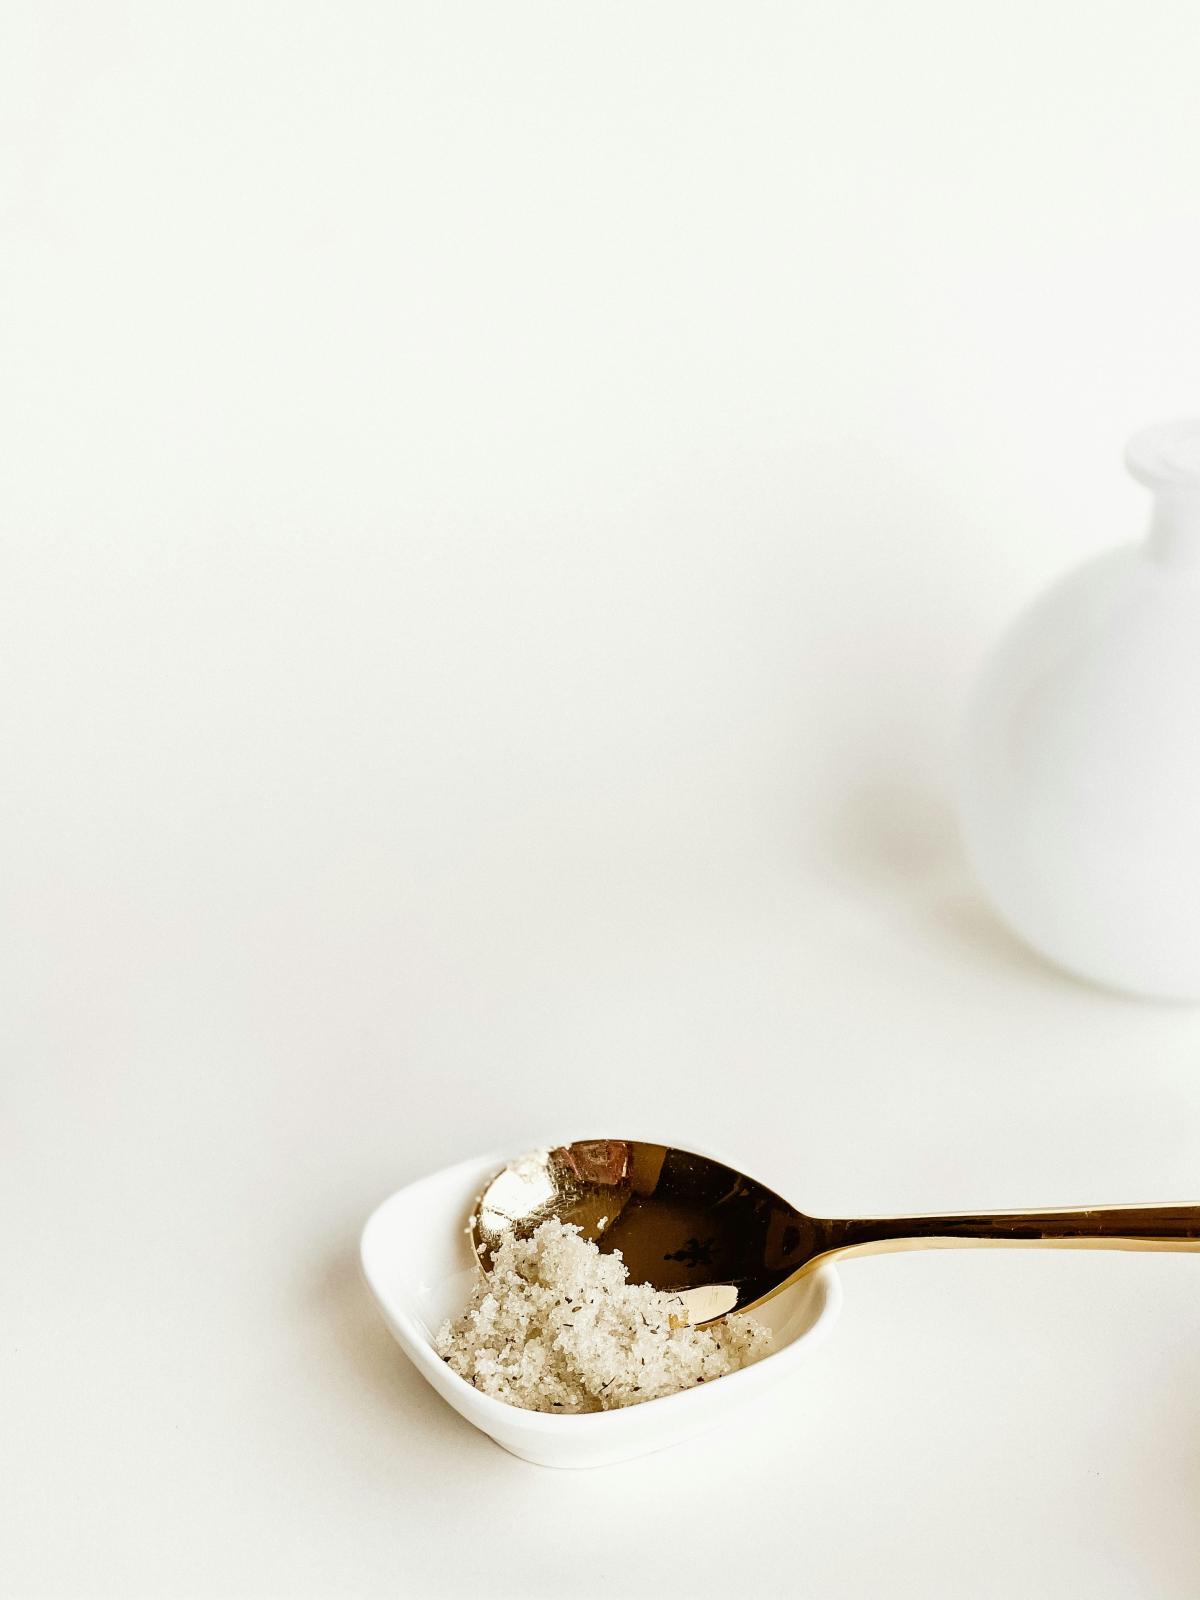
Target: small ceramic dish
[{"x": 419, "y": 1265}]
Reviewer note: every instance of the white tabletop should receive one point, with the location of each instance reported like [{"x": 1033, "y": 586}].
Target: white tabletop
[{"x": 503, "y": 505}]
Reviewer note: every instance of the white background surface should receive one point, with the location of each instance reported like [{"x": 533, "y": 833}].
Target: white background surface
[{"x": 502, "y": 504}]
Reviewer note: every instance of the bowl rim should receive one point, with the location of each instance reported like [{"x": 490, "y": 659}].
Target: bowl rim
[{"x": 423, "y": 1355}]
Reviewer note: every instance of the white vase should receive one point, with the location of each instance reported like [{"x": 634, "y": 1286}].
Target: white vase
[{"x": 1080, "y": 797}]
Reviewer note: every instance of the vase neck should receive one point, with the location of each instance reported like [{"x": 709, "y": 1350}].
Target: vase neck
[{"x": 1166, "y": 458}]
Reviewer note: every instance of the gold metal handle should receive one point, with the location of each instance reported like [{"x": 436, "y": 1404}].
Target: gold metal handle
[{"x": 1098, "y": 1227}]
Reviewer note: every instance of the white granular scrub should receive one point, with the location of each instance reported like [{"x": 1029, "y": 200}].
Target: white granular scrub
[{"x": 556, "y": 1326}]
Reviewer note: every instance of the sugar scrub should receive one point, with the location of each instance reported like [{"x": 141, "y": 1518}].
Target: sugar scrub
[{"x": 556, "y": 1326}]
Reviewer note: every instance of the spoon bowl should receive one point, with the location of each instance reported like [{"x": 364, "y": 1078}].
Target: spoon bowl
[{"x": 683, "y": 1222}]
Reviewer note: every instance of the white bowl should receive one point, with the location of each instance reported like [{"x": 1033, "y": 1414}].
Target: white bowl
[{"x": 419, "y": 1265}]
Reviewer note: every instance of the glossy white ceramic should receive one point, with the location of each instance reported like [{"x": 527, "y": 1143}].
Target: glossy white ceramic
[
  {"x": 419, "y": 1265},
  {"x": 1081, "y": 782}
]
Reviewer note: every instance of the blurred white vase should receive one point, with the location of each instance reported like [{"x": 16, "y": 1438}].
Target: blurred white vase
[{"x": 1080, "y": 798}]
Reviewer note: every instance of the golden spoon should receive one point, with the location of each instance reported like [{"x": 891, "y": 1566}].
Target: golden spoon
[{"x": 687, "y": 1224}]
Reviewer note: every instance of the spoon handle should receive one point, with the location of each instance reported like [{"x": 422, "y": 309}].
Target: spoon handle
[{"x": 1101, "y": 1227}]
